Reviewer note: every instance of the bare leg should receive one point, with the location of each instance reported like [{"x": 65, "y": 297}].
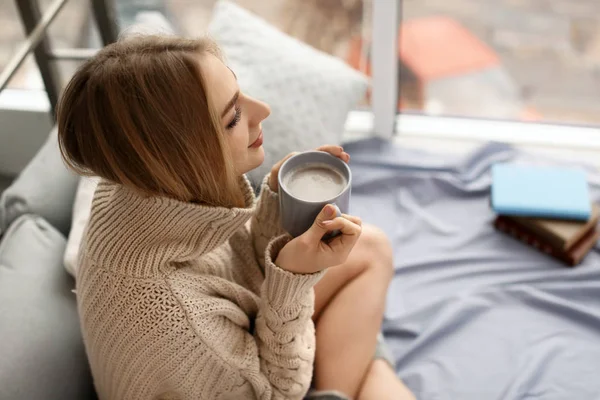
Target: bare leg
[
  {"x": 349, "y": 306},
  {"x": 382, "y": 383}
]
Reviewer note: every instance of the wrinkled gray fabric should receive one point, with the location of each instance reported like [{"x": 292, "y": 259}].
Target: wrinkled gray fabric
[{"x": 472, "y": 313}]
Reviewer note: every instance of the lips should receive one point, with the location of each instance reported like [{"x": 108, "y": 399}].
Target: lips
[{"x": 258, "y": 142}]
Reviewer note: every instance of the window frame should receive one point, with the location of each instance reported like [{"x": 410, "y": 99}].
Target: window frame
[
  {"x": 387, "y": 122},
  {"x": 384, "y": 66}
]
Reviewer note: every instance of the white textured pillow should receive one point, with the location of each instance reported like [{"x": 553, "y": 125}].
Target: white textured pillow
[
  {"x": 310, "y": 92},
  {"x": 81, "y": 214}
]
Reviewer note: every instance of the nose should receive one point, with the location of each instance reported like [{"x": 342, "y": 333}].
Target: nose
[{"x": 258, "y": 111}]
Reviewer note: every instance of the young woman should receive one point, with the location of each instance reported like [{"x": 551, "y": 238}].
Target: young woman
[{"x": 187, "y": 287}]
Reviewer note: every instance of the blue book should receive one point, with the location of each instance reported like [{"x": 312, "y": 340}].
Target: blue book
[{"x": 544, "y": 192}]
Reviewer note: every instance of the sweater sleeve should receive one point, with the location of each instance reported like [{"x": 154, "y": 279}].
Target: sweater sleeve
[
  {"x": 273, "y": 361},
  {"x": 285, "y": 332},
  {"x": 265, "y": 224}
]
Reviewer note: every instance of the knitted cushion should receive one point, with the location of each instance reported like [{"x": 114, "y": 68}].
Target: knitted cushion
[{"x": 310, "y": 92}]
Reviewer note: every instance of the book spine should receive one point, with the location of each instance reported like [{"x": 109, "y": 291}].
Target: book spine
[
  {"x": 591, "y": 224},
  {"x": 529, "y": 238},
  {"x": 548, "y": 237}
]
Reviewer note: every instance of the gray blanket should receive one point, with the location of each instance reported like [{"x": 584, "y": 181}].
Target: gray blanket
[{"x": 472, "y": 313}]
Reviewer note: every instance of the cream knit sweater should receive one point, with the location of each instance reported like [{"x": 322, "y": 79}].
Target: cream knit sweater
[{"x": 183, "y": 301}]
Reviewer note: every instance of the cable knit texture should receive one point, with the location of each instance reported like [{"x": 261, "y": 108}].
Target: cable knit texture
[{"x": 184, "y": 301}]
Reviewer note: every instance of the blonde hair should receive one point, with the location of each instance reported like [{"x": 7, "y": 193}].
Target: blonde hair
[{"x": 139, "y": 114}]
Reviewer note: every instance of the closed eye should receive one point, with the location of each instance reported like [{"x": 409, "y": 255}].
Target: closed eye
[{"x": 236, "y": 117}]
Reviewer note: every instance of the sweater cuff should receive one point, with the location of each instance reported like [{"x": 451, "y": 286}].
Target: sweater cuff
[
  {"x": 283, "y": 288},
  {"x": 267, "y": 210}
]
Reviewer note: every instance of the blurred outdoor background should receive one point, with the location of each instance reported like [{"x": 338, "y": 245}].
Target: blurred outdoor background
[{"x": 509, "y": 59}]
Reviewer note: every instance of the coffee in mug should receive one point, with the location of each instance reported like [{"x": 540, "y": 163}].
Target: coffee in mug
[
  {"x": 314, "y": 182},
  {"x": 307, "y": 182}
]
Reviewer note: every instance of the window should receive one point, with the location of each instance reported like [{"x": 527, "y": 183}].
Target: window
[
  {"x": 526, "y": 60},
  {"x": 72, "y": 28},
  {"x": 336, "y": 27},
  {"x": 504, "y": 60},
  {"x": 12, "y": 36}
]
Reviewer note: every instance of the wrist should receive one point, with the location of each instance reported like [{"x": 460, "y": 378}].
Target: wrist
[
  {"x": 284, "y": 265},
  {"x": 284, "y": 260},
  {"x": 284, "y": 288}
]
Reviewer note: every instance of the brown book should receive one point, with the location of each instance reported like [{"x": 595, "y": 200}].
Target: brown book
[
  {"x": 571, "y": 257},
  {"x": 562, "y": 234}
]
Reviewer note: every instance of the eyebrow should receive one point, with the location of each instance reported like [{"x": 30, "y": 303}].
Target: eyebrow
[{"x": 230, "y": 103}]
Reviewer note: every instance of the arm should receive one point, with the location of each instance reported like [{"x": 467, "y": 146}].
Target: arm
[
  {"x": 265, "y": 225},
  {"x": 285, "y": 331},
  {"x": 273, "y": 362}
]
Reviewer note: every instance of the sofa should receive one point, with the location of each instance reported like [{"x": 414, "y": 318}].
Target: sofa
[{"x": 41, "y": 348}]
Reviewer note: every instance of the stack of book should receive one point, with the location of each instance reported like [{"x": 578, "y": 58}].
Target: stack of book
[{"x": 547, "y": 208}]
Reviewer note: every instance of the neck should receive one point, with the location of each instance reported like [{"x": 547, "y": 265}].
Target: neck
[{"x": 148, "y": 236}]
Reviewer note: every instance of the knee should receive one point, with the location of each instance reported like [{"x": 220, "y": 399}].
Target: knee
[
  {"x": 376, "y": 241},
  {"x": 378, "y": 250}
]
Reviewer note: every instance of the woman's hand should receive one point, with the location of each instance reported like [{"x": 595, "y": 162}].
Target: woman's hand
[
  {"x": 308, "y": 253},
  {"x": 336, "y": 151}
]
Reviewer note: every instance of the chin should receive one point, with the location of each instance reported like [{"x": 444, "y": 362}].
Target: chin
[
  {"x": 255, "y": 159},
  {"x": 258, "y": 158}
]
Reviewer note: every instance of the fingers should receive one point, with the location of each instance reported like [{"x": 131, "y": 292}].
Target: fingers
[
  {"x": 343, "y": 243},
  {"x": 336, "y": 151},
  {"x": 277, "y": 166},
  {"x": 275, "y": 171},
  {"x": 332, "y": 149},
  {"x": 320, "y": 227},
  {"x": 344, "y": 225},
  {"x": 354, "y": 219},
  {"x": 327, "y": 221}
]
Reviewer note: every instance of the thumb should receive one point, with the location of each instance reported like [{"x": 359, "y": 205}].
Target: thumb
[{"x": 319, "y": 228}]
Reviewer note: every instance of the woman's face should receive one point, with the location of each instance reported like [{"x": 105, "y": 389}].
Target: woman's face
[{"x": 241, "y": 115}]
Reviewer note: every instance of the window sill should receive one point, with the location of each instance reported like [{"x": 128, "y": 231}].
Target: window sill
[
  {"x": 360, "y": 124},
  {"x": 462, "y": 135}
]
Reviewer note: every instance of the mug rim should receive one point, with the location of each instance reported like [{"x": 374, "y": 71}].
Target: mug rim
[{"x": 282, "y": 186}]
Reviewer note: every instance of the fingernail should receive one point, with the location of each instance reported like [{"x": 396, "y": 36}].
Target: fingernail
[
  {"x": 329, "y": 211},
  {"x": 328, "y": 222}
]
